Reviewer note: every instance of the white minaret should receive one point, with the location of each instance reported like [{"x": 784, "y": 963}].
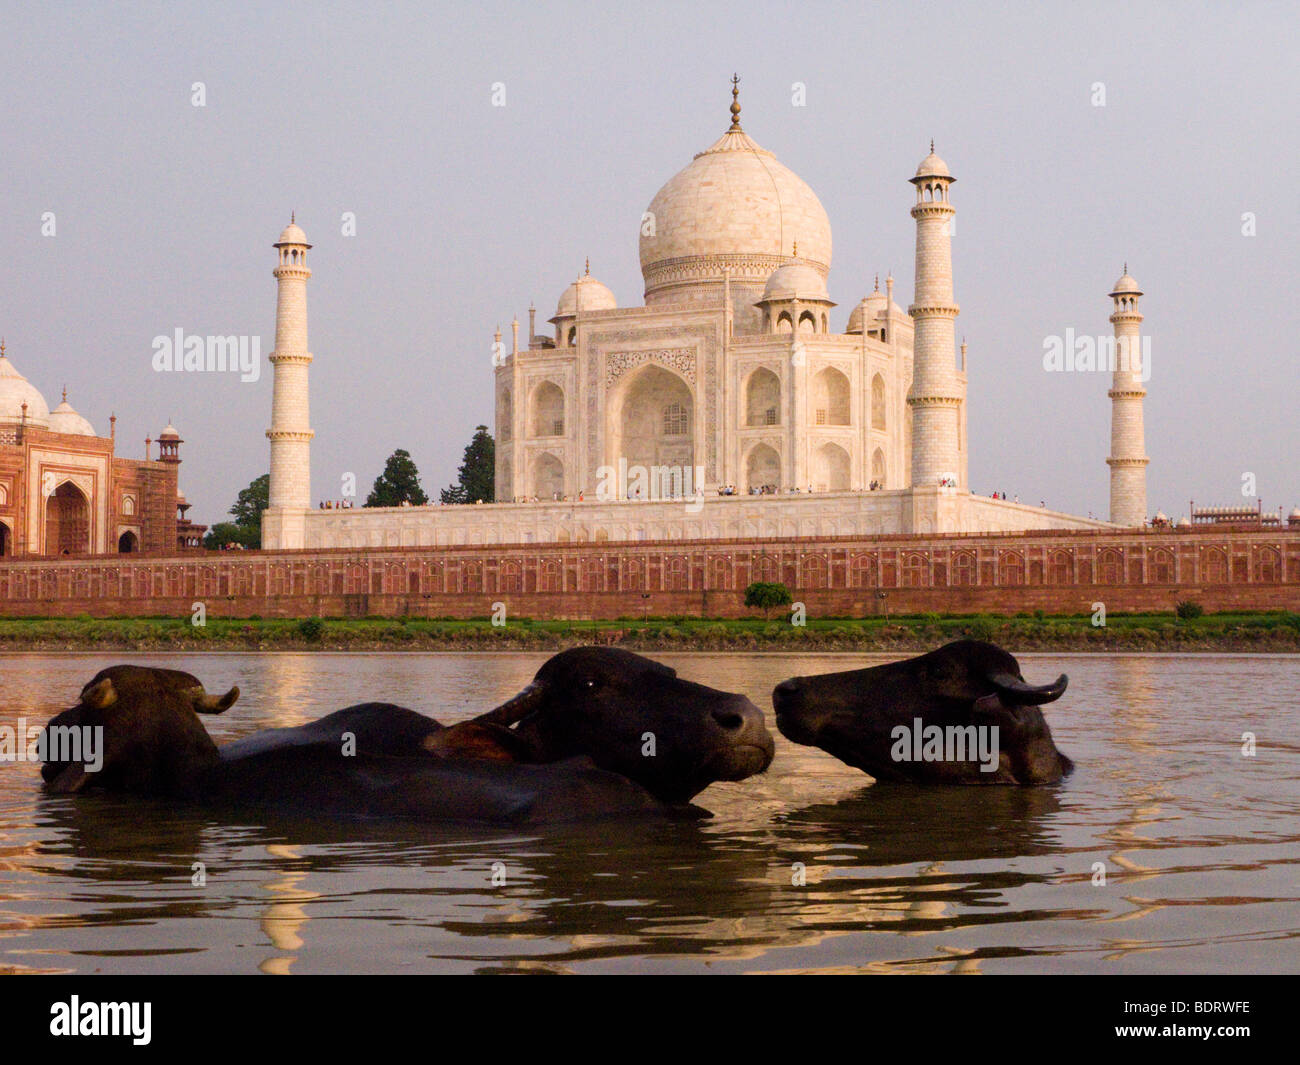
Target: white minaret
[
  {"x": 283, "y": 523},
  {"x": 1128, "y": 460},
  {"x": 937, "y": 393}
]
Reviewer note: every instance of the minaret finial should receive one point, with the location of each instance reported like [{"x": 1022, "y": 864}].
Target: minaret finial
[{"x": 735, "y": 101}]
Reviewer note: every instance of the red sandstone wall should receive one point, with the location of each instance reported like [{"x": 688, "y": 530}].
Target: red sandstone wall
[{"x": 1055, "y": 572}]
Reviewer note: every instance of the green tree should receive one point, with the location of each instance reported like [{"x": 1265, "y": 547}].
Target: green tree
[
  {"x": 477, "y": 473},
  {"x": 766, "y": 595},
  {"x": 246, "y": 529},
  {"x": 398, "y": 484}
]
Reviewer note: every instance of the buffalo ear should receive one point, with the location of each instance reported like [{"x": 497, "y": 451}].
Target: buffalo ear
[
  {"x": 71, "y": 779},
  {"x": 477, "y": 741},
  {"x": 99, "y": 695}
]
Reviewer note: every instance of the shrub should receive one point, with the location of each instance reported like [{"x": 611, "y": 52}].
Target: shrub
[
  {"x": 1187, "y": 609},
  {"x": 311, "y": 629}
]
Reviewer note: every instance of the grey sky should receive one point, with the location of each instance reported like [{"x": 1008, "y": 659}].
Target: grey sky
[{"x": 166, "y": 212}]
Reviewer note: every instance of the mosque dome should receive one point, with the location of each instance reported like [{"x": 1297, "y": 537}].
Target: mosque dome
[
  {"x": 1294, "y": 517},
  {"x": 932, "y": 166},
  {"x": 735, "y": 207},
  {"x": 795, "y": 281},
  {"x": 169, "y": 433},
  {"x": 15, "y": 390},
  {"x": 587, "y": 292},
  {"x": 63, "y": 419},
  {"x": 292, "y": 234},
  {"x": 1126, "y": 285}
]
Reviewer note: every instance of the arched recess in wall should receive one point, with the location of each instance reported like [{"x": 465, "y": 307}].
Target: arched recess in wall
[
  {"x": 878, "y": 402},
  {"x": 547, "y": 410},
  {"x": 762, "y": 398},
  {"x": 831, "y": 469},
  {"x": 547, "y": 480},
  {"x": 830, "y": 398},
  {"x": 651, "y": 420},
  {"x": 762, "y": 467}
]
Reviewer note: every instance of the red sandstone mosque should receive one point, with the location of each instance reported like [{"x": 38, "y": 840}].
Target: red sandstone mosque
[{"x": 65, "y": 491}]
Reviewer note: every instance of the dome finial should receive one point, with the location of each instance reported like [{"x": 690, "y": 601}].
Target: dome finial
[
  {"x": 1126, "y": 266},
  {"x": 293, "y": 218},
  {"x": 735, "y": 101},
  {"x": 795, "y": 250},
  {"x": 931, "y": 145},
  {"x": 65, "y": 393},
  {"x": 586, "y": 270},
  {"x": 877, "y": 288},
  {"x": 2, "y": 347}
]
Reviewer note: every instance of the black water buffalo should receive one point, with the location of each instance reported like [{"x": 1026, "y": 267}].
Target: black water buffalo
[
  {"x": 599, "y": 731},
  {"x": 960, "y": 715}
]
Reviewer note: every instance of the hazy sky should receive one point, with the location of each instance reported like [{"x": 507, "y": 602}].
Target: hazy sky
[{"x": 165, "y": 212}]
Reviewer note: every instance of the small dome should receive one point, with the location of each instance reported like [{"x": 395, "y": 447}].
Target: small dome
[
  {"x": 63, "y": 419},
  {"x": 1184, "y": 522},
  {"x": 1294, "y": 516},
  {"x": 15, "y": 390},
  {"x": 796, "y": 281},
  {"x": 932, "y": 166},
  {"x": 169, "y": 433},
  {"x": 587, "y": 292},
  {"x": 1160, "y": 516},
  {"x": 1126, "y": 285},
  {"x": 292, "y": 234}
]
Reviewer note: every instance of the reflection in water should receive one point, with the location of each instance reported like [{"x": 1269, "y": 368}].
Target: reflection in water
[{"x": 808, "y": 868}]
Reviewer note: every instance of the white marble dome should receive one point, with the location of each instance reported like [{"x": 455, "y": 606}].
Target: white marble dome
[
  {"x": 796, "y": 281},
  {"x": 732, "y": 202},
  {"x": 63, "y": 419},
  {"x": 593, "y": 296},
  {"x": 292, "y": 234},
  {"x": 15, "y": 390},
  {"x": 932, "y": 166},
  {"x": 1126, "y": 285}
]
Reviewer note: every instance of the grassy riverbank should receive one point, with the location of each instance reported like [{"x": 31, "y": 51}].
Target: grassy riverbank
[{"x": 1277, "y": 631}]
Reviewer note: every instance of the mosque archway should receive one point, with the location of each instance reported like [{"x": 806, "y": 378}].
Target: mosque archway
[
  {"x": 763, "y": 398},
  {"x": 6, "y": 540},
  {"x": 831, "y": 469},
  {"x": 67, "y": 521},
  {"x": 128, "y": 543},
  {"x": 652, "y": 421},
  {"x": 762, "y": 467},
  {"x": 830, "y": 398},
  {"x": 548, "y": 477}
]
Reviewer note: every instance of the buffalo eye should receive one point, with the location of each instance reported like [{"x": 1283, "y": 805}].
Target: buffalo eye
[{"x": 589, "y": 684}]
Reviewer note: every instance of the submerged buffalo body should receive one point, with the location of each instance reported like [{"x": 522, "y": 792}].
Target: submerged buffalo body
[
  {"x": 599, "y": 731},
  {"x": 960, "y": 715}
]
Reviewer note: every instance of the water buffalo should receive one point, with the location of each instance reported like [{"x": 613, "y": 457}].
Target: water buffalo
[
  {"x": 598, "y": 731},
  {"x": 960, "y": 715}
]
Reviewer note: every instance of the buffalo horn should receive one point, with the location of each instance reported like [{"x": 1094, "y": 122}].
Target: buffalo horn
[
  {"x": 515, "y": 709},
  {"x": 1016, "y": 690},
  {"x": 204, "y": 703}
]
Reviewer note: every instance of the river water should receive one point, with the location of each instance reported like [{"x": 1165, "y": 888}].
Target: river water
[{"x": 807, "y": 868}]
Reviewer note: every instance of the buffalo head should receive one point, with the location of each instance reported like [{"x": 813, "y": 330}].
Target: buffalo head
[
  {"x": 960, "y": 715},
  {"x": 635, "y": 717},
  {"x": 134, "y": 729}
]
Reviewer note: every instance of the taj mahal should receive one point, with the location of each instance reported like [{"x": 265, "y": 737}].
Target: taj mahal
[{"x": 724, "y": 407}]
